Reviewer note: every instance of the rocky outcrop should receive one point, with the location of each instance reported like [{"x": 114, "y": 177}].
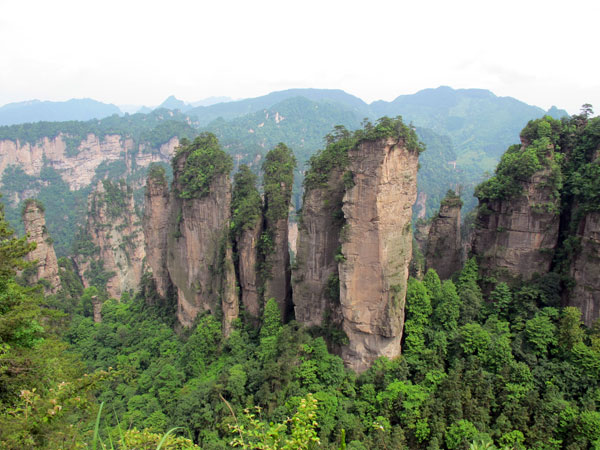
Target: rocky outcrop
[
  {"x": 156, "y": 228},
  {"x": 585, "y": 268},
  {"x": 46, "y": 265},
  {"x": 515, "y": 237},
  {"x": 197, "y": 237},
  {"x": 114, "y": 240},
  {"x": 376, "y": 249},
  {"x": 444, "y": 240},
  {"x": 315, "y": 278},
  {"x": 77, "y": 160}
]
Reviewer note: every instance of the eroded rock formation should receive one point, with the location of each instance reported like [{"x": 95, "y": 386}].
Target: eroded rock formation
[
  {"x": 156, "y": 228},
  {"x": 444, "y": 243},
  {"x": 315, "y": 279},
  {"x": 278, "y": 179},
  {"x": 585, "y": 269},
  {"x": 247, "y": 259},
  {"x": 113, "y": 240},
  {"x": 376, "y": 249},
  {"x": 515, "y": 237},
  {"x": 197, "y": 229},
  {"x": 46, "y": 267}
]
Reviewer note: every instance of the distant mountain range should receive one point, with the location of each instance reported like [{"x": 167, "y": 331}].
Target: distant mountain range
[{"x": 37, "y": 111}]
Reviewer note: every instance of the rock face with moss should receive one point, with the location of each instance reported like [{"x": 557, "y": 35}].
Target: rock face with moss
[
  {"x": 156, "y": 224},
  {"x": 246, "y": 211},
  {"x": 443, "y": 243},
  {"x": 199, "y": 257},
  {"x": 278, "y": 179},
  {"x": 376, "y": 248},
  {"x": 111, "y": 250},
  {"x": 518, "y": 217},
  {"x": 315, "y": 278},
  {"x": 46, "y": 267}
]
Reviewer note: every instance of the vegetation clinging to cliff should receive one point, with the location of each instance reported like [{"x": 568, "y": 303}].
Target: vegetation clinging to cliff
[
  {"x": 204, "y": 161},
  {"x": 278, "y": 179},
  {"x": 386, "y": 127},
  {"x": 157, "y": 173},
  {"x": 519, "y": 163},
  {"x": 246, "y": 203},
  {"x": 340, "y": 141}
]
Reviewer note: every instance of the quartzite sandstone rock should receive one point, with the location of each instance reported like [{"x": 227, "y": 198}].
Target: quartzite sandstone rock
[
  {"x": 247, "y": 252},
  {"x": 515, "y": 237},
  {"x": 585, "y": 269},
  {"x": 115, "y": 229},
  {"x": 47, "y": 265},
  {"x": 443, "y": 243},
  {"x": 156, "y": 231},
  {"x": 316, "y": 269},
  {"x": 198, "y": 229},
  {"x": 376, "y": 248}
]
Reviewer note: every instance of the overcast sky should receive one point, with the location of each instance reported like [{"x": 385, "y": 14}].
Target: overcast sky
[{"x": 139, "y": 52}]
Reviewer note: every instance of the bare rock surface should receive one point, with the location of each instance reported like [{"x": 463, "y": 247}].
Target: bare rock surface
[{"x": 44, "y": 255}]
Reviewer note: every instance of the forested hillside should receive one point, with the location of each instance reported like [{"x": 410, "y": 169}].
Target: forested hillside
[{"x": 485, "y": 363}]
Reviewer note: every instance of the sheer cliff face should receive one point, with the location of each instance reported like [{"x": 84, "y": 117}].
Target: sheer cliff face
[
  {"x": 443, "y": 243},
  {"x": 278, "y": 285},
  {"x": 114, "y": 228},
  {"x": 318, "y": 243},
  {"x": 77, "y": 166},
  {"x": 47, "y": 266},
  {"x": 516, "y": 237},
  {"x": 247, "y": 250},
  {"x": 156, "y": 224},
  {"x": 196, "y": 238},
  {"x": 376, "y": 248},
  {"x": 585, "y": 268}
]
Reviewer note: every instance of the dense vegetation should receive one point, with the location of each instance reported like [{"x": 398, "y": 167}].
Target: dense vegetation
[
  {"x": 204, "y": 160},
  {"x": 278, "y": 179},
  {"x": 246, "y": 204}
]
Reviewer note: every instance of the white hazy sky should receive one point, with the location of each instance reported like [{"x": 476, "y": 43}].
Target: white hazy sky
[{"x": 139, "y": 52}]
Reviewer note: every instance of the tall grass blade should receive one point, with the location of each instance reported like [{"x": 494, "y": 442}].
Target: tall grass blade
[
  {"x": 96, "y": 428},
  {"x": 162, "y": 441}
]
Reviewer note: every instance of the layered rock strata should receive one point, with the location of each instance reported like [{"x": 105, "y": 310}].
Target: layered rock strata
[
  {"x": 443, "y": 243},
  {"x": 77, "y": 162},
  {"x": 46, "y": 265}
]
